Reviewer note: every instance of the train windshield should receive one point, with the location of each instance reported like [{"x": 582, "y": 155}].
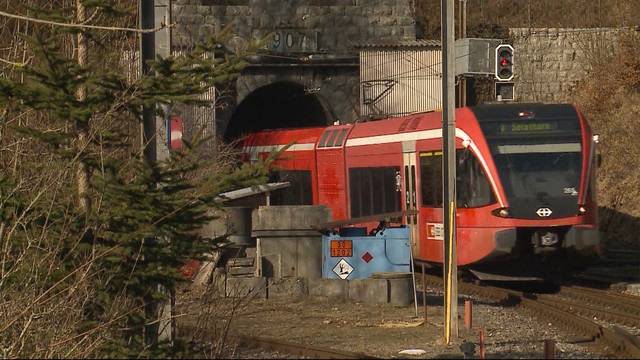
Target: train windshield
[
  {"x": 472, "y": 186},
  {"x": 539, "y": 165}
]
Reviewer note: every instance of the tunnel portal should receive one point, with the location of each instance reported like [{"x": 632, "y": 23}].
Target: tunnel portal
[{"x": 275, "y": 106}]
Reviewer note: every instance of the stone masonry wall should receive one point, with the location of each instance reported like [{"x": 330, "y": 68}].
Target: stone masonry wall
[
  {"x": 549, "y": 63},
  {"x": 338, "y": 24},
  {"x": 329, "y": 28}
]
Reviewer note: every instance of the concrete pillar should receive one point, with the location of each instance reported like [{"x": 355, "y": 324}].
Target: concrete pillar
[{"x": 289, "y": 244}]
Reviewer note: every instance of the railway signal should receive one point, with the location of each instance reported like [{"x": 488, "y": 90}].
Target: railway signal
[{"x": 504, "y": 62}]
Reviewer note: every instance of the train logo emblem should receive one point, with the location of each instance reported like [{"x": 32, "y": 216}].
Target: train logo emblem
[
  {"x": 343, "y": 269},
  {"x": 544, "y": 212}
]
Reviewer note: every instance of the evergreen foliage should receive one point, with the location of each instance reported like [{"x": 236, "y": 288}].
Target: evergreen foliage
[{"x": 129, "y": 248}]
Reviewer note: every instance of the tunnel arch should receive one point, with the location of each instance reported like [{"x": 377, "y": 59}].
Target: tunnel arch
[{"x": 281, "y": 104}]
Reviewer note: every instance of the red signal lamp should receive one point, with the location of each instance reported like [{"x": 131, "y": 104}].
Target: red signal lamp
[{"x": 504, "y": 62}]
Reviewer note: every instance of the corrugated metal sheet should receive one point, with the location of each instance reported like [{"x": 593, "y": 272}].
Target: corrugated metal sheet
[
  {"x": 422, "y": 44},
  {"x": 400, "y": 81},
  {"x": 196, "y": 118},
  {"x": 201, "y": 118}
]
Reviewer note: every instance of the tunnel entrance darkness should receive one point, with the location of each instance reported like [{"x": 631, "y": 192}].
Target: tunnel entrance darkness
[{"x": 274, "y": 106}]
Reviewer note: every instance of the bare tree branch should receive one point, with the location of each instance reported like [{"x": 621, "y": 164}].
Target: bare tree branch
[
  {"x": 83, "y": 26},
  {"x": 12, "y": 63}
]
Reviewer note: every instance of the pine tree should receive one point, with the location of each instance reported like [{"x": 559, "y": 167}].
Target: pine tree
[{"x": 143, "y": 224}]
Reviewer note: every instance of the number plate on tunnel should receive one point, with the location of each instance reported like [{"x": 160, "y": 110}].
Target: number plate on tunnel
[{"x": 341, "y": 248}]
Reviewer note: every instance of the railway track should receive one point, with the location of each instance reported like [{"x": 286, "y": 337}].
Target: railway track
[
  {"x": 603, "y": 305},
  {"x": 568, "y": 309},
  {"x": 616, "y": 267},
  {"x": 312, "y": 352},
  {"x": 289, "y": 348}
]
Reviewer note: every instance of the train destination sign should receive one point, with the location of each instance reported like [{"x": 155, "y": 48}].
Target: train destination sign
[
  {"x": 527, "y": 127},
  {"x": 507, "y": 128}
]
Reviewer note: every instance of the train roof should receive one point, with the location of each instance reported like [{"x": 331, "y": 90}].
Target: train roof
[{"x": 465, "y": 117}]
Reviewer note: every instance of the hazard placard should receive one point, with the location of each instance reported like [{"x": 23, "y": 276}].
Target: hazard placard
[
  {"x": 343, "y": 269},
  {"x": 341, "y": 248}
]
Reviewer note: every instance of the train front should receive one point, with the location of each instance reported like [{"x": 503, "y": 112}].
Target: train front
[{"x": 545, "y": 160}]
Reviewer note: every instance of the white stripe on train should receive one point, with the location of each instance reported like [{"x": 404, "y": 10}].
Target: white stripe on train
[{"x": 386, "y": 139}]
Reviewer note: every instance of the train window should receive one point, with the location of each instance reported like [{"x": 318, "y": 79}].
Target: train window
[
  {"x": 323, "y": 138},
  {"x": 373, "y": 191},
  {"x": 431, "y": 179},
  {"x": 299, "y": 193},
  {"x": 472, "y": 186},
  {"x": 340, "y": 137}
]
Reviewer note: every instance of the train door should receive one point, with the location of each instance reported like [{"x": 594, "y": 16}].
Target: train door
[
  {"x": 411, "y": 193},
  {"x": 431, "y": 225}
]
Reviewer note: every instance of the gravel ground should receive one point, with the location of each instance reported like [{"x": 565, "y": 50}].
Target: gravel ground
[
  {"x": 385, "y": 330},
  {"x": 238, "y": 353}
]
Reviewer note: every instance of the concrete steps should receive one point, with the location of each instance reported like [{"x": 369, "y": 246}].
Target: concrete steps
[{"x": 241, "y": 267}]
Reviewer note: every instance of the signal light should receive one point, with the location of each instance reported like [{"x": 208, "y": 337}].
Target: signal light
[{"x": 504, "y": 62}]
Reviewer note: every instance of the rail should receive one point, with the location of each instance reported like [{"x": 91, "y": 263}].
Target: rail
[
  {"x": 561, "y": 312},
  {"x": 312, "y": 352}
]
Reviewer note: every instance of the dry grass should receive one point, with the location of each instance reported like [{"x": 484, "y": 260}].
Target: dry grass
[{"x": 610, "y": 97}]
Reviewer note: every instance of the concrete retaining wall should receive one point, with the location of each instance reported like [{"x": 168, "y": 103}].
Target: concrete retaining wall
[{"x": 397, "y": 291}]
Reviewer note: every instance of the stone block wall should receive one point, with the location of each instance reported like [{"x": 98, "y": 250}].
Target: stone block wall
[
  {"x": 550, "y": 62},
  {"x": 337, "y": 87},
  {"x": 338, "y": 24},
  {"x": 292, "y": 29}
]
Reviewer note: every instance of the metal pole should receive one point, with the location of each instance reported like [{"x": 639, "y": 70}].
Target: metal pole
[
  {"x": 147, "y": 52},
  {"x": 468, "y": 314},
  {"x": 463, "y": 34},
  {"x": 413, "y": 275},
  {"x": 549, "y": 349},
  {"x": 153, "y": 14},
  {"x": 462, "y": 27},
  {"x": 424, "y": 293},
  {"x": 482, "y": 354},
  {"x": 449, "y": 171}
]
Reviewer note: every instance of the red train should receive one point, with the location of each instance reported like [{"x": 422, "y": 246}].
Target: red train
[{"x": 525, "y": 185}]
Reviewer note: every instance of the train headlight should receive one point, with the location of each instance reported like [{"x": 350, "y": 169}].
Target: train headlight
[
  {"x": 582, "y": 210},
  {"x": 501, "y": 212}
]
